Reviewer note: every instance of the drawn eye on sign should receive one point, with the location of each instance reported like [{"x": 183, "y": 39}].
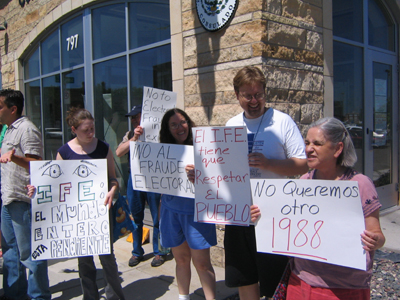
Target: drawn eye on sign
[
  {"x": 83, "y": 171},
  {"x": 54, "y": 171}
]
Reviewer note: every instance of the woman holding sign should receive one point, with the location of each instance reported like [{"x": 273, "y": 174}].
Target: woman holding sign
[
  {"x": 331, "y": 155},
  {"x": 189, "y": 240},
  {"x": 86, "y": 146}
]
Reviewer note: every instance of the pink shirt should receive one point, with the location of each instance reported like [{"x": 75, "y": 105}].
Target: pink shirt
[{"x": 318, "y": 274}]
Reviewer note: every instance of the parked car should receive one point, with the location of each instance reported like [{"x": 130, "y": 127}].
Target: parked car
[{"x": 379, "y": 137}]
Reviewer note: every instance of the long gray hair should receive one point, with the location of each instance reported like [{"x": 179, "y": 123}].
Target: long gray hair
[{"x": 335, "y": 132}]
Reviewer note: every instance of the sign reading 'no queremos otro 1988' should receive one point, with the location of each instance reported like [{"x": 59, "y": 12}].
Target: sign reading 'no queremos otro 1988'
[{"x": 215, "y": 14}]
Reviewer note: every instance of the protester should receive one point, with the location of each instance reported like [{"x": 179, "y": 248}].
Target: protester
[
  {"x": 22, "y": 143},
  {"x": 137, "y": 199},
  {"x": 86, "y": 146},
  {"x": 189, "y": 240},
  {"x": 331, "y": 155},
  {"x": 2, "y": 133},
  {"x": 276, "y": 150}
]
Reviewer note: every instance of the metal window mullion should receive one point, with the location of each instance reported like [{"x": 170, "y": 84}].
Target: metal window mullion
[
  {"x": 87, "y": 58},
  {"x": 128, "y": 64}
]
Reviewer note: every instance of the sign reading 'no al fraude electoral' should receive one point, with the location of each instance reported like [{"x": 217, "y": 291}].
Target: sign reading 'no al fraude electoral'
[{"x": 215, "y": 14}]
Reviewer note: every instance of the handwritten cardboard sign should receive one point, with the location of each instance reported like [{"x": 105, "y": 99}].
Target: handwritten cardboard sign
[
  {"x": 155, "y": 103},
  {"x": 222, "y": 177},
  {"x": 160, "y": 168},
  {"x": 319, "y": 220},
  {"x": 69, "y": 218}
]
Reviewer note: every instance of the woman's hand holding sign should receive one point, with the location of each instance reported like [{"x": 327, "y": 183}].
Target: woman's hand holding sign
[{"x": 190, "y": 172}]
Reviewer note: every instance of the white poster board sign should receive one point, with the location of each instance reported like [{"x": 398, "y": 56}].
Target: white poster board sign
[
  {"x": 160, "y": 168},
  {"x": 69, "y": 218},
  {"x": 222, "y": 177},
  {"x": 319, "y": 220},
  {"x": 155, "y": 103}
]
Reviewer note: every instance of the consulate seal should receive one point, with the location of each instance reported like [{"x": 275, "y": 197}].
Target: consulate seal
[{"x": 215, "y": 14}]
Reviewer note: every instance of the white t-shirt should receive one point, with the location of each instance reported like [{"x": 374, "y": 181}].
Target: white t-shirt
[{"x": 275, "y": 135}]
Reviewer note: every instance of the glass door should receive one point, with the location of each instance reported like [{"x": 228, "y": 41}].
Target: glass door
[{"x": 381, "y": 125}]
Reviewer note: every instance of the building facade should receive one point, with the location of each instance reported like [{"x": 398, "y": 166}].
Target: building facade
[{"x": 321, "y": 58}]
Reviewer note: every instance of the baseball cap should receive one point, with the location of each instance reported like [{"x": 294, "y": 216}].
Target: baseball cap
[{"x": 137, "y": 109}]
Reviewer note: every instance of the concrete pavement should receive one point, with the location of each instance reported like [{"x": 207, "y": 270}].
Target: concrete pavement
[
  {"x": 139, "y": 282},
  {"x": 148, "y": 283}
]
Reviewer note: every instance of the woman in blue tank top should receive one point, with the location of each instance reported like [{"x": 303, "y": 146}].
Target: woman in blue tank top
[
  {"x": 188, "y": 240},
  {"x": 86, "y": 146}
]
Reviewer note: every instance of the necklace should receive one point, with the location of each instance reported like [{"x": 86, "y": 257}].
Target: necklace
[{"x": 258, "y": 129}]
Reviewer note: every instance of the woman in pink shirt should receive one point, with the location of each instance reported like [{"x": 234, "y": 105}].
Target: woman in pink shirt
[{"x": 330, "y": 156}]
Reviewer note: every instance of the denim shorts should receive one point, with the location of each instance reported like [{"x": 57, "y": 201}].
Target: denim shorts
[{"x": 176, "y": 228}]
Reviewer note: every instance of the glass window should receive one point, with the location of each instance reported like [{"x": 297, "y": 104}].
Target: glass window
[
  {"x": 150, "y": 68},
  {"x": 32, "y": 65},
  {"x": 348, "y": 19},
  {"x": 348, "y": 93},
  {"x": 33, "y": 103},
  {"x": 108, "y": 30},
  {"x": 72, "y": 43},
  {"x": 110, "y": 98},
  {"x": 52, "y": 138},
  {"x": 380, "y": 27},
  {"x": 148, "y": 23},
  {"x": 73, "y": 93},
  {"x": 51, "y": 54},
  {"x": 62, "y": 69}
]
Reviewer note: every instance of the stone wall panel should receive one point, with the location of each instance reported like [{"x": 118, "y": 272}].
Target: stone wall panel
[
  {"x": 190, "y": 20},
  {"x": 299, "y": 10},
  {"x": 311, "y": 113},
  {"x": 314, "y": 42},
  {"x": 199, "y": 115},
  {"x": 308, "y": 57},
  {"x": 292, "y": 109},
  {"x": 242, "y": 52},
  {"x": 274, "y": 6},
  {"x": 286, "y": 35},
  {"x": 222, "y": 113}
]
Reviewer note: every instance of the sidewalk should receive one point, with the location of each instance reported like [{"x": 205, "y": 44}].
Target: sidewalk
[
  {"x": 148, "y": 283},
  {"x": 390, "y": 224},
  {"x": 139, "y": 282}
]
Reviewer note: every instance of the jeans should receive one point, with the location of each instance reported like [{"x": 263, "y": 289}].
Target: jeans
[
  {"x": 137, "y": 201},
  {"x": 16, "y": 244}
]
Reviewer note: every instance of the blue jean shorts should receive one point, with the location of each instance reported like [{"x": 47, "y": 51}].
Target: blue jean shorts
[{"x": 176, "y": 228}]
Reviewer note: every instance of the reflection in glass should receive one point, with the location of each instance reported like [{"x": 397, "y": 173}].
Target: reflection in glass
[
  {"x": 110, "y": 98},
  {"x": 52, "y": 139},
  {"x": 50, "y": 54},
  {"x": 72, "y": 43},
  {"x": 382, "y": 133},
  {"x": 33, "y": 103},
  {"x": 348, "y": 93},
  {"x": 73, "y": 95},
  {"x": 31, "y": 65},
  {"x": 348, "y": 19},
  {"x": 148, "y": 23},
  {"x": 150, "y": 68},
  {"x": 108, "y": 30},
  {"x": 380, "y": 27}
]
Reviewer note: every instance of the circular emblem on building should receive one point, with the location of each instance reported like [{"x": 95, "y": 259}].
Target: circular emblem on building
[{"x": 215, "y": 14}]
